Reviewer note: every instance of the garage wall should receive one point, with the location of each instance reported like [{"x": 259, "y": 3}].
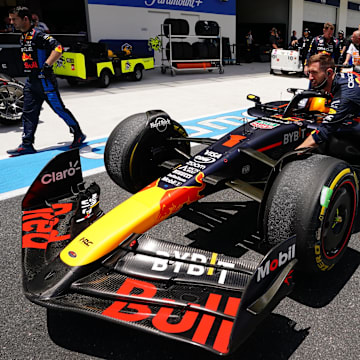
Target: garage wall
[
  {"x": 353, "y": 19},
  {"x": 139, "y": 23},
  {"x": 319, "y": 13},
  {"x": 143, "y": 23},
  {"x": 120, "y": 22}
]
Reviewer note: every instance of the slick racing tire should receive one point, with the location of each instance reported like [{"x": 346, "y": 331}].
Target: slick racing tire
[
  {"x": 315, "y": 199},
  {"x": 135, "y": 151},
  {"x": 11, "y": 102}
]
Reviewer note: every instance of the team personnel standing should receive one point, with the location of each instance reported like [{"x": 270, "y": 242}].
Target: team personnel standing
[
  {"x": 303, "y": 44},
  {"x": 40, "y": 24},
  {"x": 325, "y": 43},
  {"x": 353, "y": 52},
  {"x": 39, "y": 52},
  {"x": 342, "y": 46},
  {"x": 345, "y": 94},
  {"x": 274, "y": 38}
]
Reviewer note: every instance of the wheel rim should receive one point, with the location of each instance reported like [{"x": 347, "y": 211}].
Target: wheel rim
[
  {"x": 11, "y": 102},
  {"x": 138, "y": 74},
  {"x": 338, "y": 220},
  {"x": 106, "y": 79}
]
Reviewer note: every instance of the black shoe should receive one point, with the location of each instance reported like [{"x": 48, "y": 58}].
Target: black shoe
[
  {"x": 22, "y": 149},
  {"x": 79, "y": 138}
]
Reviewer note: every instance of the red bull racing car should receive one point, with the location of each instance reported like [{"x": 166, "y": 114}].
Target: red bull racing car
[{"x": 76, "y": 258}]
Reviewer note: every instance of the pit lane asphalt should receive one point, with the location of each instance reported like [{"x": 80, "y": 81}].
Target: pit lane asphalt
[{"x": 320, "y": 320}]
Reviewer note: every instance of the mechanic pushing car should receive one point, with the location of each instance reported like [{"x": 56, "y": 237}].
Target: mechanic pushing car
[
  {"x": 325, "y": 43},
  {"x": 39, "y": 52},
  {"x": 345, "y": 91}
]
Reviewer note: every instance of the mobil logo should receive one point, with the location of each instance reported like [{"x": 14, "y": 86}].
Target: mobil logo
[{"x": 271, "y": 265}]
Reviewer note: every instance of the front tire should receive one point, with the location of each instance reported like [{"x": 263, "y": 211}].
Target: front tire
[
  {"x": 136, "y": 148},
  {"x": 316, "y": 200}
]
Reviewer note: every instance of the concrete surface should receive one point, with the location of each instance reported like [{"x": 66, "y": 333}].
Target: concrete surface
[{"x": 187, "y": 95}]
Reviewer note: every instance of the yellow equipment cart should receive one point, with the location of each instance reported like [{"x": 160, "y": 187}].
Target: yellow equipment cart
[{"x": 96, "y": 61}]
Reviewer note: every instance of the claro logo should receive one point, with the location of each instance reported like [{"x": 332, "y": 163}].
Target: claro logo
[
  {"x": 61, "y": 175},
  {"x": 272, "y": 265}
]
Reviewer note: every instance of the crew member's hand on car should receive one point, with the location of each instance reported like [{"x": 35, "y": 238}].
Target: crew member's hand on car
[{"x": 309, "y": 142}]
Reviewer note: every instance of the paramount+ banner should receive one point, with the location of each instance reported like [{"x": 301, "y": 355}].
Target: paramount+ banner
[{"x": 224, "y": 7}]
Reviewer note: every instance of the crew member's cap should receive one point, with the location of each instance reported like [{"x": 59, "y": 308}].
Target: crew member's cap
[{"x": 341, "y": 32}]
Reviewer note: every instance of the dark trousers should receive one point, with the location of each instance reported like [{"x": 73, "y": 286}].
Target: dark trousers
[{"x": 36, "y": 91}]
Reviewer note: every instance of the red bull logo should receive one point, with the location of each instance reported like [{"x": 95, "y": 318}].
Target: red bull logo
[
  {"x": 174, "y": 199},
  {"x": 26, "y": 57}
]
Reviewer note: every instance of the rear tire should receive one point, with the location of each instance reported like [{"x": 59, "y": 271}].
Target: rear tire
[
  {"x": 137, "y": 74},
  {"x": 72, "y": 81},
  {"x": 104, "y": 79},
  {"x": 297, "y": 205},
  {"x": 135, "y": 150}
]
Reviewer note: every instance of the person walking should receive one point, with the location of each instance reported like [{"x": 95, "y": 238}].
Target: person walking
[
  {"x": 324, "y": 44},
  {"x": 39, "y": 52}
]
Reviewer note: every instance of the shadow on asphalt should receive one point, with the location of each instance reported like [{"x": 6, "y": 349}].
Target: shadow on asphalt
[
  {"x": 319, "y": 290},
  {"x": 276, "y": 338},
  {"x": 226, "y": 233}
]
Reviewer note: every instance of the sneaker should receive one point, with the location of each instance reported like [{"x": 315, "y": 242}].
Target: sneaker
[
  {"x": 22, "y": 150},
  {"x": 79, "y": 138}
]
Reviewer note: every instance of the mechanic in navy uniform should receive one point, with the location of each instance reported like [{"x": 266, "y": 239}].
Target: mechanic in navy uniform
[
  {"x": 344, "y": 89},
  {"x": 342, "y": 46},
  {"x": 325, "y": 43},
  {"x": 303, "y": 44},
  {"x": 39, "y": 52}
]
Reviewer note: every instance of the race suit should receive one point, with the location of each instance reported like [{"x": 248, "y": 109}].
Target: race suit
[
  {"x": 345, "y": 105},
  {"x": 36, "y": 46},
  {"x": 319, "y": 45}
]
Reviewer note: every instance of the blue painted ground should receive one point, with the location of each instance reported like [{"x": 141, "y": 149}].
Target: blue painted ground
[{"x": 18, "y": 173}]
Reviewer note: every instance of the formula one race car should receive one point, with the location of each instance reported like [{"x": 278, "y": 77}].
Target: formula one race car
[
  {"x": 75, "y": 258},
  {"x": 11, "y": 99}
]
